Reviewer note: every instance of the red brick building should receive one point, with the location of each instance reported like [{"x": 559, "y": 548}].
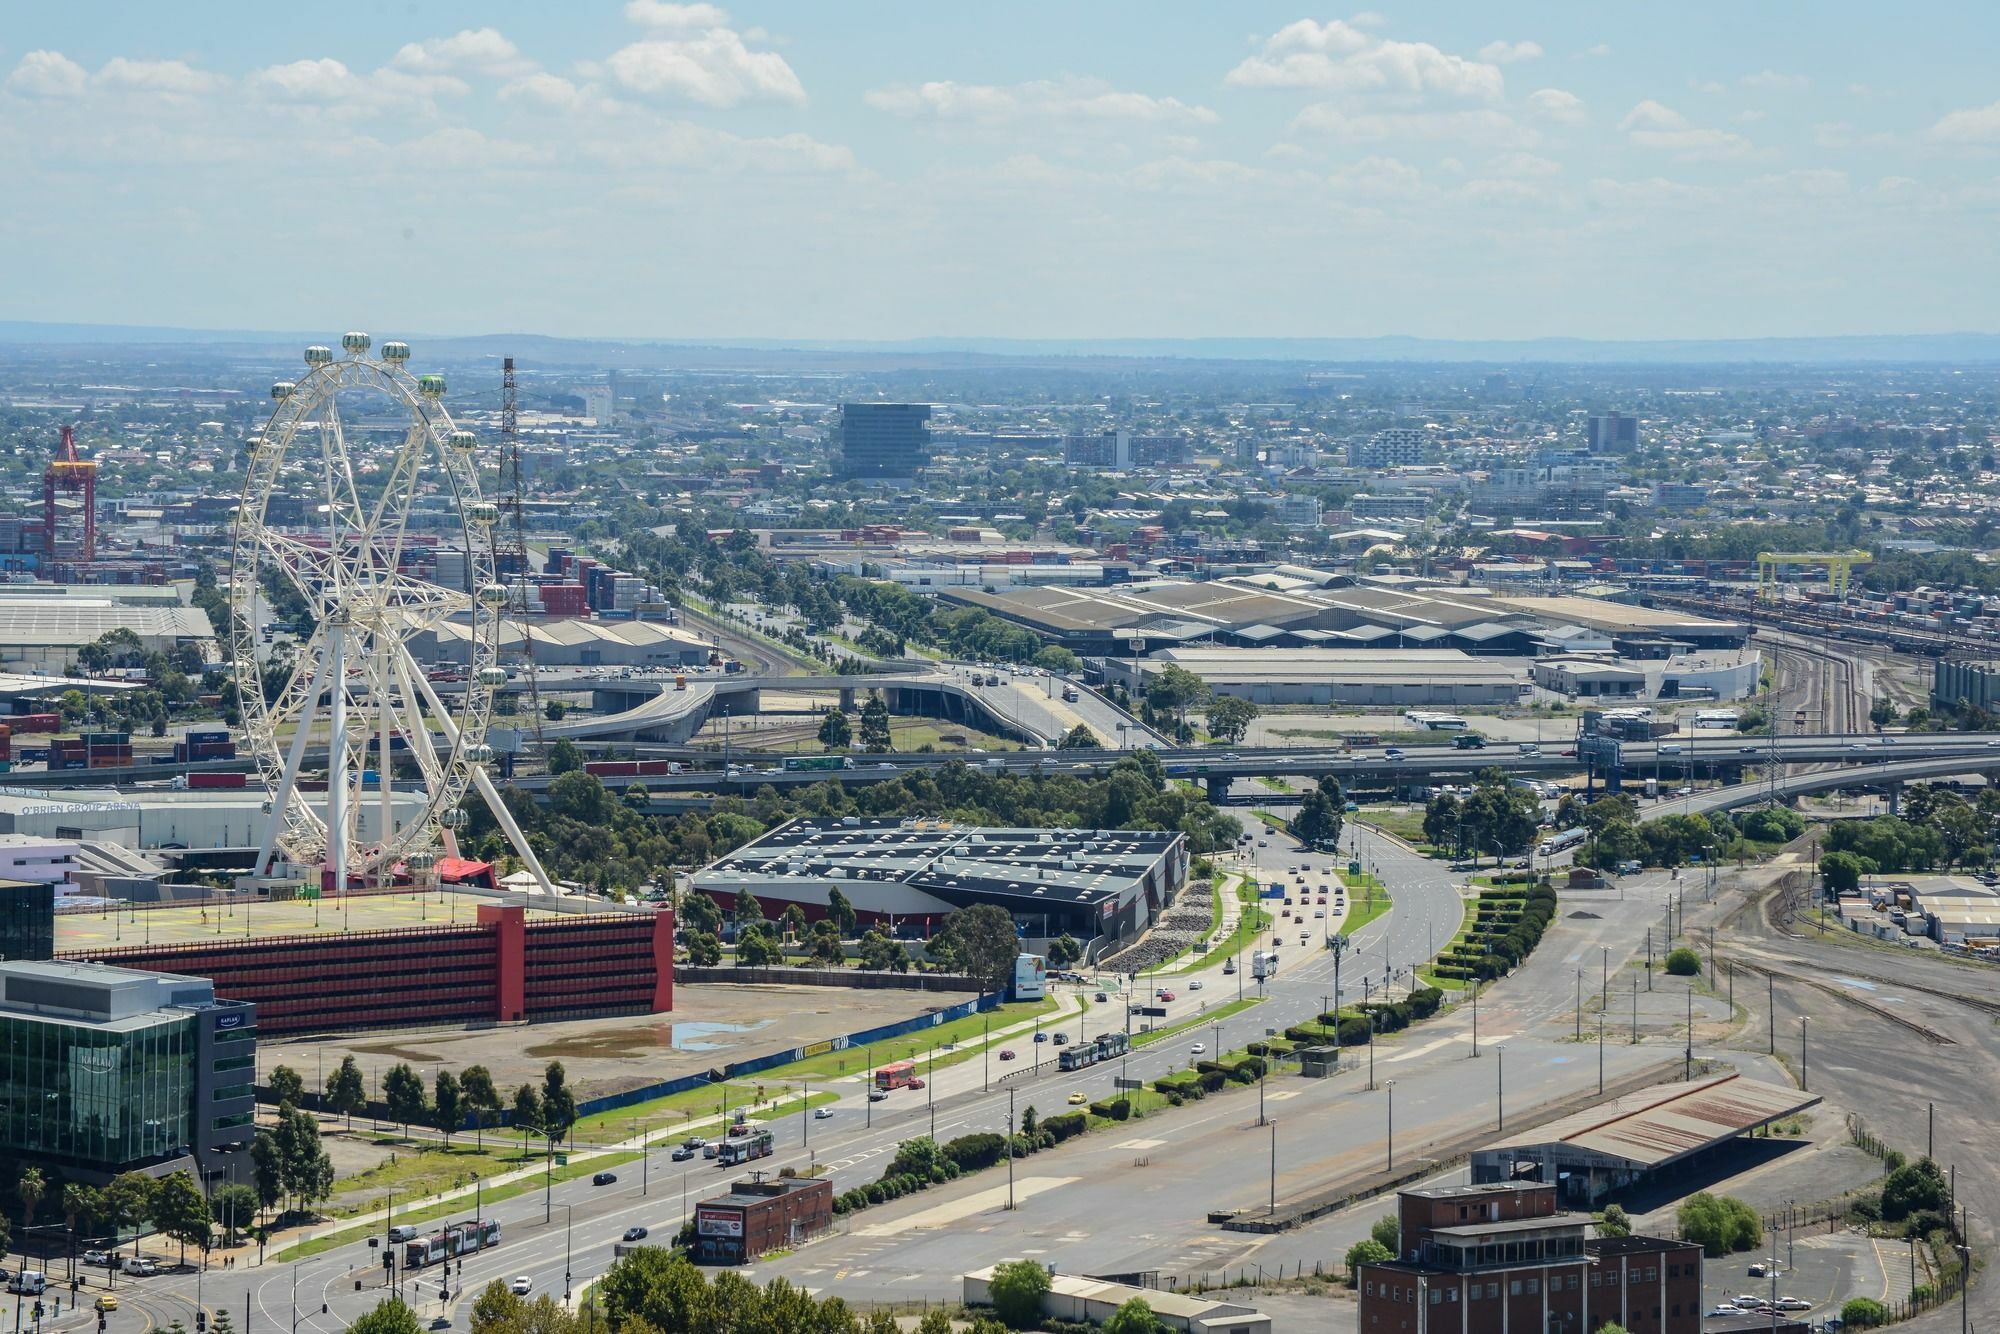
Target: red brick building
[
  {"x": 1501, "y": 1259},
  {"x": 760, "y": 1215}
]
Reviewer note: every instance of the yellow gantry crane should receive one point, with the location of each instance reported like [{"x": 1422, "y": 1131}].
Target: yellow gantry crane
[{"x": 1839, "y": 567}]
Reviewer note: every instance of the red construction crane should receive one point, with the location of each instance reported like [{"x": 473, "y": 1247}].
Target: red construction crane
[{"x": 69, "y": 504}]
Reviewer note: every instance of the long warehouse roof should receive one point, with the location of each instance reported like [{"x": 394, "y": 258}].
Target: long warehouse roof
[{"x": 1659, "y": 1125}]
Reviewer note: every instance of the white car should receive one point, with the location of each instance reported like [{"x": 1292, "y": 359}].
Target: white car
[
  {"x": 522, "y": 1285},
  {"x": 1793, "y": 1304},
  {"x": 1197, "y": 1049},
  {"x": 822, "y": 1113}
]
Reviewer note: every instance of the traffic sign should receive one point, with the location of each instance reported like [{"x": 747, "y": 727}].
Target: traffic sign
[{"x": 1128, "y": 1083}]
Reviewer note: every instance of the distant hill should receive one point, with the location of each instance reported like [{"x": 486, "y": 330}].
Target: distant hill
[{"x": 1950, "y": 348}]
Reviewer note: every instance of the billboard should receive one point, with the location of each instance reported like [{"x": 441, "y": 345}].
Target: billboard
[{"x": 715, "y": 1223}]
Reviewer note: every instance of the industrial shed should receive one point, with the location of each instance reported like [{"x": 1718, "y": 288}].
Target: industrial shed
[{"x": 1615, "y": 1144}]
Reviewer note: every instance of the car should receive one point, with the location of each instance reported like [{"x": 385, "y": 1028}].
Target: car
[
  {"x": 1078, "y": 1099},
  {"x": 681, "y": 1153},
  {"x": 884, "y": 765},
  {"x": 142, "y": 1267},
  {"x": 916, "y": 1083},
  {"x": 1748, "y": 750},
  {"x": 1856, "y": 746},
  {"x": 1229, "y": 968},
  {"x": 1041, "y": 1037},
  {"x": 604, "y": 1178},
  {"x": 878, "y": 1095},
  {"x": 1100, "y": 998},
  {"x": 695, "y": 1142},
  {"x": 1749, "y": 1300},
  {"x": 1061, "y": 1039},
  {"x": 99, "y": 1258},
  {"x": 1793, "y": 1304},
  {"x": 1263, "y": 843},
  {"x": 635, "y": 1234},
  {"x": 1195, "y": 985},
  {"x": 521, "y": 1285},
  {"x": 1392, "y": 753},
  {"x": 1888, "y": 741},
  {"x": 1995, "y": 742},
  {"x": 1231, "y": 755},
  {"x": 1166, "y": 995},
  {"x": 1006, "y": 1053},
  {"x": 1764, "y": 1269},
  {"x": 1724, "y": 1312},
  {"x": 105, "y": 1302},
  {"x": 1197, "y": 1049},
  {"x": 401, "y": 1232}
]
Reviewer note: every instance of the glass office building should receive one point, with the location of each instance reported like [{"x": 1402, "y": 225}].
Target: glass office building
[
  {"x": 105, "y": 1070},
  {"x": 27, "y": 920}
]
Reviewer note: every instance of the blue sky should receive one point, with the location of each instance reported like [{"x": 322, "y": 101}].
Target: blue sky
[{"x": 872, "y": 170}]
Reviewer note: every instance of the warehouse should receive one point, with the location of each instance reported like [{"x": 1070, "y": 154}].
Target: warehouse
[
  {"x": 912, "y": 874},
  {"x": 153, "y": 818},
  {"x": 574, "y": 643},
  {"x": 1368, "y": 677},
  {"x": 1626, "y": 1140},
  {"x": 759, "y": 1215},
  {"x": 47, "y": 632}
]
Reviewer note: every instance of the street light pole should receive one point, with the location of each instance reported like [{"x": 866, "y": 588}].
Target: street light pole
[
  {"x": 1500, "y": 1096},
  {"x": 1600, "y": 1055},
  {"x": 1274, "y": 1167},
  {"x": 1390, "y": 1085},
  {"x": 1803, "y": 1084}
]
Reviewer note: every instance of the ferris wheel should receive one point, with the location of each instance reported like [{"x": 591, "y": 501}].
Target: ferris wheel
[{"x": 356, "y": 700}]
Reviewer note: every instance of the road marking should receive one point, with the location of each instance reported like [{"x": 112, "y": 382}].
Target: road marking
[
  {"x": 957, "y": 1210},
  {"x": 1284, "y": 1094},
  {"x": 1415, "y": 1052},
  {"x": 1139, "y": 1144}
]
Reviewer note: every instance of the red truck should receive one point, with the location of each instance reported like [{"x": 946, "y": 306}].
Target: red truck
[{"x": 198, "y": 781}]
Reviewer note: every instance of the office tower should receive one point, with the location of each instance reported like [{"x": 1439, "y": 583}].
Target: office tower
[{"x": 883, "y": 439}]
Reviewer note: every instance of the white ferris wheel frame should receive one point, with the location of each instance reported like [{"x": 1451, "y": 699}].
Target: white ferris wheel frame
[{"x": 356, "y": 668}]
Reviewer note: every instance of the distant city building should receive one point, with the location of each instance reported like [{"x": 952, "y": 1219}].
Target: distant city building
[
  {"x": 1099, "y": 449},
  {"x": 599, "y": 403},
  {"x": 1612, "y": 433},
  {"x": 1390, "y": 448},
  {"x": 28, "y": 859},
  {"x": 1680, "y": 496},
  {"x": 1296, "y": 511},
  {"x": 1365, "y": 506},
  {"x": 883, "y": 439},
  {"x": 106, "y": 1070}
]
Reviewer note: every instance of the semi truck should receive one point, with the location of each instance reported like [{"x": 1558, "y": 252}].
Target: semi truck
[{"x": 1263, "y": 964}]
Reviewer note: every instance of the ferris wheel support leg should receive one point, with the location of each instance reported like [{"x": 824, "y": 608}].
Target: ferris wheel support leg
[
  {"x": 336, "y": 761},
  {"x": 420, "y": 738},
  {"x": 287, "y": 781},
  {"x": 484, "y": 781},
  {"x": 387, "y": 829}
]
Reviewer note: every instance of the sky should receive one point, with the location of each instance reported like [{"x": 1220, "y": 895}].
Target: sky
[{"x": 848, "y": 169}]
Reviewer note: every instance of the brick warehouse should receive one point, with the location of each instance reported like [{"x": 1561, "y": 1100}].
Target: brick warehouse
[
  {"x": 1497, "y": 1258},
  {"x": 503, "y": 968}
]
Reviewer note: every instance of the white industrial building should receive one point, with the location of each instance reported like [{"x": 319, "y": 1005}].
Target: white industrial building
[
  {"x": 1713, "y": 675},
  {"x": 40, "y": 861},
  {"x": 46, "y": 632},
  {"x": 1399, "y": 677},
  {"x": 152, "y": 819},
  {"x": 574, "y": 643}
]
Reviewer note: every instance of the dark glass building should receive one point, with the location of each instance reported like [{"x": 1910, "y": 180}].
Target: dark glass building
[
  {"x": 884, "y": 439},
  {"x": 27, "y": 920},
  {"x": 106, "y": 1070}
]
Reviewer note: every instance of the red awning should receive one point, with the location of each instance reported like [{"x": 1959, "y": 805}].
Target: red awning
[{"x": 464, "y": 871}]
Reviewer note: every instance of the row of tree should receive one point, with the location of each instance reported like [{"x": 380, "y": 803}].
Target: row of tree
[
  {"x": 172, "y": 1206},
  {"x": 1499, "y": 818}
]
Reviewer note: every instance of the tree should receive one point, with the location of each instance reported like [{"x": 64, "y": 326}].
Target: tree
[
  {"x": 29, "y": 1190},
  {"x": 1614, "y": 1222},
  {"x": 180, "y": 1211},
  {"x": 1914, "y": 1188},
  {"x": 875, "y": 735},
  {"x": 986, "y": 943},
  {"x": 267, "y": 1174},
  {"x": 447, "y": 1104},
  {"x": 1683, "y": 962},
  {"x": 527, "y": 1111},
  {"x": 347, "y": 1090},
  {"x": 496, "y": 1310},
  {"x": 390, "y": 1316},
  {"x": 558, "y": 1101},
  {"x": 835, "y": 732},
  {"x": 234, "y": 1206},
  {"x": 1229, "y": 717},
  {"x": 1055, "y": 658},
  {"x": 1883, "y": 712},
  {"x": 564, "y": 757},
  {"x": 403, "y": 1091},
  {"x": 1017, "y": 1288},
  {"x": 1320, "y": 817},
  {"x": 656, "y": 1288},
  {"x": 127, "y": 1201},
  {"x": 841, "y": 912},
  {"x": 747, "y": 909},
  {"x": 1367, "y": 1251},
  {"x": 1443, "y": 823},
  {"x": 699, "y": 912},
  {"x": 1389, "y": 1232},
  {"x": 704, "y": 950},
  {"x": 287, "y": 1086},
  {"x": 1079, "y": 737},
  {"x": 793, "y": 920},
  {"x": 1720, "y": 1224},
  {"x": 880, "y": 954},
  {"x": 1175, "y": 690},
  {"x": 482, "y": 1098},
  {"x": 78, "y": 1203},
  {"x": 754, "y": 949},
  {"x": 305, "y": 1169},
  {"x": 554, "y": 710},
  {"x": 1840, "y": 872},
  {"x": 1133, "y": 1317},
  {"x": 1064, "y": 951},
  {"x": 1863, "y": 1313}
]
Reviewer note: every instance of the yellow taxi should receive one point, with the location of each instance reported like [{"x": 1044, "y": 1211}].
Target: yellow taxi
[
  {"x": 106, "y": 1302},
  {"x": 1077, "y": 1099}
]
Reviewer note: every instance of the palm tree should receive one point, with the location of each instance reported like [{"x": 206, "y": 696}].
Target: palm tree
[{"x": 78, "y": 1201}]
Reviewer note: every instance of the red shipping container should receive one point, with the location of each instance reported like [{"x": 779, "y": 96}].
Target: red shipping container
[
  {"x": 218, "y": 780},
  {"x": 38, "y": 722}
]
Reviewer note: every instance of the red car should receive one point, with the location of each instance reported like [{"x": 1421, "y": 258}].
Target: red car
[
  {"x": 1006, "y": 1053},
  {"x": 1166, "y": 995},
  {"x": 916, "y": 1083}
]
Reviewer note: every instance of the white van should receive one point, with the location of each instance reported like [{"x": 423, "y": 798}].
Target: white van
[{"x": 29, "y": 1282}]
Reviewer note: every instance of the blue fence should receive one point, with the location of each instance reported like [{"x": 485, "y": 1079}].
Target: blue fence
[{"x": 737, "y": 1070}]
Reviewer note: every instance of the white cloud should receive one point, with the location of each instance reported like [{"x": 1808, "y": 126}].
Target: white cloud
[
  {"x": 326, "y": 82},
  {"x": 1971, "y": 125},
  {"x": 1072, "y": 100},
  {"x": 47, "y": 74},
  {"x": 481, "y": 50},
  {"x": 162, "y": 78},
  {"x": 1524, "y": 165},
  {"x": 1553, "y": 104},
  {"x": 658, "y": 14},
  {"x": 1385, "y": 176},
  {"x": 1810, "y": 182},
  {"x": 713, "y": 67},
  {"x": 1508, "y": 53},
  {"x": 1598, "y": 52},
  {"x": 1770, "y": 78},
  {"x": 1337, "y": 55},
  {"x": 556, "y": 93},
  {"x": 1476, "y": 126},
  {"x": 1651, "y": 125}
]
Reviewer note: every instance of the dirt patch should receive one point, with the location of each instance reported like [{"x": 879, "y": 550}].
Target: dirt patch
[{"x": 398, "y": 1051}]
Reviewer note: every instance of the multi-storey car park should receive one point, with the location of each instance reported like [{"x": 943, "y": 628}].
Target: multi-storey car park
[{"x": 910, "y": 874}]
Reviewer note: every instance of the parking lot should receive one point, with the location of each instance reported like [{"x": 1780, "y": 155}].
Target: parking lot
[{"x": 1821, "y": 1266}]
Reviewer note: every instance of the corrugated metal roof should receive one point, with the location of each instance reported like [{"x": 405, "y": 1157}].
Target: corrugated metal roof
[{"x": 1658, "y": 1125}]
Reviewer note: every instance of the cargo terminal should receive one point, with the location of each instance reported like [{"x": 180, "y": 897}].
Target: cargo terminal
[{"x": 909, "y": 875}]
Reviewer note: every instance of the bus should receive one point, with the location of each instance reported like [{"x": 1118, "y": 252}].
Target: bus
[
  {"x": 455, "y": 1240},
  {"x": 899, "y": 1075},
  {"x": 813, "y": 763},
  {"x": 743, "y": 1150},
  {"x": 1555, "y": 843}
]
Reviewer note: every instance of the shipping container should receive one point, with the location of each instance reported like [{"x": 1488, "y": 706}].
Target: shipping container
[{"x": 37, "y": 722}]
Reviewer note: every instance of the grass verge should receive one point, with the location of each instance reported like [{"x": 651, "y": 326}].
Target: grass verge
[
  {"x": 1428, "y": 972},
  {"x": 1248, "y": 927}
]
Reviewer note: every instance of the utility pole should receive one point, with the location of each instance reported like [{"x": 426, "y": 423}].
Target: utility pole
[
  {"x": 1390, "y": 1085},
  {"x": 1803, "y": 1084},
  {"x": 1687, "y": 1060},
  {"x": 1771, "y": 1005},
  {"x": 1600, "y": 1055},
  {"x": 1500, "y": 1093},
  {"x": 1579, "y": 1005},
  {"x": 1010, "y": 1148},
  {"x": 1274, "y": 1167}
]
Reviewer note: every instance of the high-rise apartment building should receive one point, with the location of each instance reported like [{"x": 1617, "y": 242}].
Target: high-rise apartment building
[
  {"x": 1612, "y": 433},
  {"x": 1099, "y": 449},
  {"x": 883, "y": 439},
  {"x": 1394, "y": 447}
]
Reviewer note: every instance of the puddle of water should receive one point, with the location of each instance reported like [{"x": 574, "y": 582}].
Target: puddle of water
[
  {"x": 640, "y": 1039},
  {"x": 1856, "y": 983},
  {"x": 691, "y": 1037}
]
